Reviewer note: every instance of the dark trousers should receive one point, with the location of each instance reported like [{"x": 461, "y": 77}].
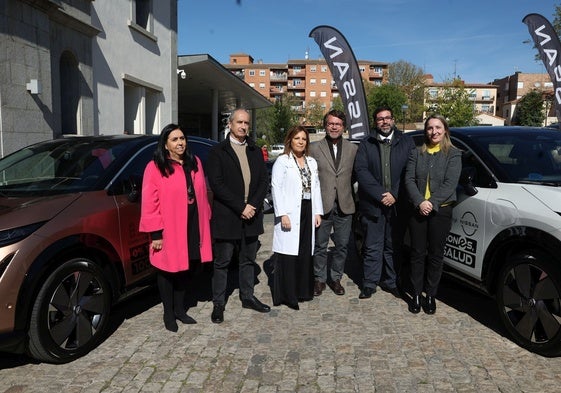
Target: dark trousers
[
  {"x": 428, "y": 238},
  {"x": 223, "y": 252},
  {"x": 172, "y": 288},
  {"x": 341, "y": 224},
  {"x": 378, "y": 251}
]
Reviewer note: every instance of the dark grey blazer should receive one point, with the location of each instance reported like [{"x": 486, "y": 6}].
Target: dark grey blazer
[{"x": 335, "y": 183}]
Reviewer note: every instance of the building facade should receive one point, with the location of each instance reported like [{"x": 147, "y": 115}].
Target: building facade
[
  {"x": 512, "y": 88},
  {"x": 310, "y": 81},
  {"x": 85, "y": 67},
  {"x": 135, "y": 65},
  {"x": 484, "y": 96}
]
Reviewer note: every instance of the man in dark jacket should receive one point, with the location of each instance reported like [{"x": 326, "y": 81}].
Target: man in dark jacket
[
  {"x": 238, "y": 178},
  {"x": 379, "y": 167}
]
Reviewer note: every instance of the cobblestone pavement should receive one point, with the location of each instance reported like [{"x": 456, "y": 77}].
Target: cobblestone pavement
[{"x": 333, "y": 344}]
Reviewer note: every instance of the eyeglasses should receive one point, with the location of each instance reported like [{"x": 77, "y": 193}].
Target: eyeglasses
[
  {"x": 384, "y": 118},
  {"x": 334, "y": 124}
]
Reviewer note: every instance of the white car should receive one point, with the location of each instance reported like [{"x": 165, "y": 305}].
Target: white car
[
  {"x": 276, "y": 150},
  {"x": 506, "y": 229}
]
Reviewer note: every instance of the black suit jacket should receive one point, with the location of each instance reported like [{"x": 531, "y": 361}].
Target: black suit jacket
[
  {"x": 368, "y": 171},
  {"x": 226, "y": 182}
]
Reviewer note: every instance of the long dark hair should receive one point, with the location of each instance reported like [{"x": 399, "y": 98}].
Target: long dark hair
[{"x": 161, "y": 155}]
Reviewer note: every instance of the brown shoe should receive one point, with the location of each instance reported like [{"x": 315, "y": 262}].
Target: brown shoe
[
  {"x": 337, "y": 287},
  {"x": 318, "y": 287}
]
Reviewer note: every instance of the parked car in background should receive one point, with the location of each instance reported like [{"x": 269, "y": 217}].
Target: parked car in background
[
  {"x": 506, "y": 228},
  {"x": 276, "y": 150},
  {"x": 69, "y": 242}
]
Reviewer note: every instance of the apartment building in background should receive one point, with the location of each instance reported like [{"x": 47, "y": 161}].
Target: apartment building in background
[
  {"x": 512, "y": 88},
  {"x": 483, "y": 95},
  {"x": 308, "y": 80}
]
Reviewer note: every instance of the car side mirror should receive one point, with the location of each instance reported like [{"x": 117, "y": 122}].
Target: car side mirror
[{"x": 466, "y": 180}]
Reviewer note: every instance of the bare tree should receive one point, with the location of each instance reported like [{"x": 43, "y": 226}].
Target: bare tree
[{"x": 409, "y": 78}]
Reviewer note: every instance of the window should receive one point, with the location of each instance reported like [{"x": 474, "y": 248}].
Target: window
[
  {"x": 335, "y": 95},
  {"x": 481, "y": 176},
  {"x": 142, "y": 11},
  {"x": 297, "y": 82},
  {"x": 520, "y": 85},
  {"x": 261, "y": 85},
  {"x": 70, "y": 100},
  {"x": 433, "y": 93},
  {"x": 251, "y": 72},
  {"x": 313, "y": 68},
  {"x": 142, "y": 106},
  {"x": 252, "y": 85},
  {"x": 312, "y": 81},
  {"x": 323, "y": 81},
  {"x": 261, "y": 72},
  {"x": 323, "y": 68},
  {"x": 142, "y": 19},
  {"x": 362, "y": 68},
  {"x": 323, "y": 94},
  {"x": 312, "y": 94}
]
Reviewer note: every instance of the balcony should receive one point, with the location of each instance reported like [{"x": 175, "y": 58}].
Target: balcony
[
  {"x": 278, "y": 77},
  {"x": 300, "y": 86},
  {"x": 297, "y": 73},
  {"x": 277, "y": 90},
  {"x": 239, "y": 74}
]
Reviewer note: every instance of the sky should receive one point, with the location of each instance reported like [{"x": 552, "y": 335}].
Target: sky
[{"x": 475, "y": 40}]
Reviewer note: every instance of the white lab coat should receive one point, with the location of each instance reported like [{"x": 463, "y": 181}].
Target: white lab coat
[{"x": 286, "y": 187}]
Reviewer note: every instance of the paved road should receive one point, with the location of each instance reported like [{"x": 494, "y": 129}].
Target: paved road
[{"x": 333, "y": 344}]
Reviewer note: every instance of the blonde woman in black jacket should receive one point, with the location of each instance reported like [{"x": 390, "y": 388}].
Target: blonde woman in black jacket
[{"x": 431, "y": 178}]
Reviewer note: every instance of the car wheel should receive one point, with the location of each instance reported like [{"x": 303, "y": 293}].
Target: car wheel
[
  {"x": 70, "y": 312},
  {"x": 529, "y": 302}
]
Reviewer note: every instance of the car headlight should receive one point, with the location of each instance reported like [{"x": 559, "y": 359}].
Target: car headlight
[{"x": 14, "y": 235}]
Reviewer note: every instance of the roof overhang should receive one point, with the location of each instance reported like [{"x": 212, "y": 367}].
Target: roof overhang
[{"x": 204, "y": 76}]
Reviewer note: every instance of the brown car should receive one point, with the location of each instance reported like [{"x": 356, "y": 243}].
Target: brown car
[{"x": 69, "y": 241}]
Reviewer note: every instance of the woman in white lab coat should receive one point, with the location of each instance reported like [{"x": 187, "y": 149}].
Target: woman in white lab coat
[{"x": 298, "y": 209}]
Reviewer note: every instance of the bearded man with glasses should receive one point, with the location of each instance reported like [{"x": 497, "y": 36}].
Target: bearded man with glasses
[{"x": 379, "y": 168}]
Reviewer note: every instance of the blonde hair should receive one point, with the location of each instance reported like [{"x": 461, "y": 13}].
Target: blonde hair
[{"x": 446, "y": 142}]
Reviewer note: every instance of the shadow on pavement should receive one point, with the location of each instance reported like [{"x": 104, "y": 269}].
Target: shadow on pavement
[{"x": 477, "y": 305}]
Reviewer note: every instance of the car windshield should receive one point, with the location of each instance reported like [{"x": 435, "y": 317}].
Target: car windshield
[
  {"x": 61, "y": 166},
  {"x": 527, "y": 158}
]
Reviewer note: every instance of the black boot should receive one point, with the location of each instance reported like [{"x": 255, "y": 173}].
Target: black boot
[
  {"x": 165, "y": 287},
  {"x": 415, "y": 304},
  {"x": 179, "y": 290}
]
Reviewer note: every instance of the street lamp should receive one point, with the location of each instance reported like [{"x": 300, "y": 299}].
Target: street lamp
[{"x": 404, "y": 108}]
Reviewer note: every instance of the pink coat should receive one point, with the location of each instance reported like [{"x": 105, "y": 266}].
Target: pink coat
[{"x": 164, "y": 207}]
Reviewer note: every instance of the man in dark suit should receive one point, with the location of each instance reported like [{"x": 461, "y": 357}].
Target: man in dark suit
[
  {"x": 379, "y": 168},
  {"x": 335, "y": 157},
  {"x": 238, "y": 178}
]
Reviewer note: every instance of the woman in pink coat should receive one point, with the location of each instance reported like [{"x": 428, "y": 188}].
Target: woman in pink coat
[{"x": 176, "y": 212}]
